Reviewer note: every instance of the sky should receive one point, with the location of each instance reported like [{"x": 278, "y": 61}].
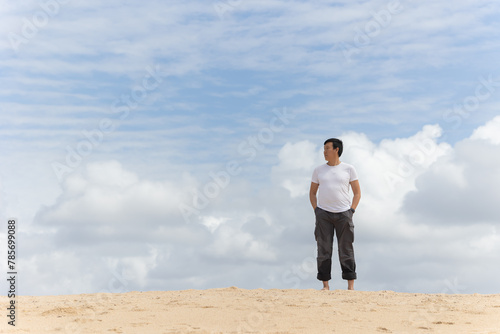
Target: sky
[{"x": 169, "y": 145}]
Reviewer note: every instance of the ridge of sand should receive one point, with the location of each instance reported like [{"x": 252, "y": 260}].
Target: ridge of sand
[{"x": 235, "y": 310}]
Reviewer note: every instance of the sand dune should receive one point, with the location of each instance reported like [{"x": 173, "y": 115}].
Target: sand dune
[{"x": 233, "y": 310}]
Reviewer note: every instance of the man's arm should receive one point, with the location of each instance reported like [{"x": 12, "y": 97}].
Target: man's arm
[
  {"x": 357, "y": 194},
  {"x": 312, "y": 194}
]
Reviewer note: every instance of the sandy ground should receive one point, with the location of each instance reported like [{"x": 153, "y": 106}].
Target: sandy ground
[{"x": 234, "y": 310}]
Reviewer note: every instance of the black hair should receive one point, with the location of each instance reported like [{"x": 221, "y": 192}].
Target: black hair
[{"x": 336, "y": 143}]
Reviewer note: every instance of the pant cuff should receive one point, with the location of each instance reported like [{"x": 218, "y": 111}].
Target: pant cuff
[
  {"x": 349, "y": 276},
  {"x": 323, "y": 278}
]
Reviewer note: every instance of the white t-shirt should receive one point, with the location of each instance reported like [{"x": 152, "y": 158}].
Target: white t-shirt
[{"x": 334, "y": 186}]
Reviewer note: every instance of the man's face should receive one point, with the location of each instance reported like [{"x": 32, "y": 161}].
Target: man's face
[{"x": 329, "y": 152}]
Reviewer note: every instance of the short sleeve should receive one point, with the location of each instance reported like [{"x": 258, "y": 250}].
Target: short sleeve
[
  {"x": 353, "y": 174},
  {"x": 315, "y": 178}
]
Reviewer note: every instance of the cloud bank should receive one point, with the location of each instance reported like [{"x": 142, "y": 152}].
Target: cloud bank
[{"x": 427, "y": 222}]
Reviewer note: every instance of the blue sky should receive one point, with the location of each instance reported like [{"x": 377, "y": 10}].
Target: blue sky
[{"x": 413, "y": 89}]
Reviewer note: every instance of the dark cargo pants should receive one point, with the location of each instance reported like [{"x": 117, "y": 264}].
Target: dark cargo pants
[{"x": 327, "y": 223}]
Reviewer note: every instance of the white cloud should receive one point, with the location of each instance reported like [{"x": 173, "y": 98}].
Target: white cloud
[
  {"x": 296, "y": 161},
  {"x": 489, "y": 243},
  {"x": 110, "y": 220},
  {"x": 121, "y": 225},
  {"x": 231, "y": 243},
  {"x": 462, "y": 189},
  {"x": 105, "y": 196},
  {"x": 490, "y": 131},
  {"x": 212, "y": 223}
]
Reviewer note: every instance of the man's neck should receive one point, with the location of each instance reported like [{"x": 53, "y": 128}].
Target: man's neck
[{"x": 334, "y": 162}]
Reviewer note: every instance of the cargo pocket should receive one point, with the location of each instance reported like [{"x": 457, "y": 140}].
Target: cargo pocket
[{"x": 349, "y": 215}]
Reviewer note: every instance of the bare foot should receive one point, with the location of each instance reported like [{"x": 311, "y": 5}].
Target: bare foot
[
  {"x": 325, "y": 285},
  {"x": 326, "y": 288},
  {"x": 350, "y": 284}
]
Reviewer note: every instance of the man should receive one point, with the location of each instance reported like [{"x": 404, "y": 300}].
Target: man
[{"x": 334, "y": 210}]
